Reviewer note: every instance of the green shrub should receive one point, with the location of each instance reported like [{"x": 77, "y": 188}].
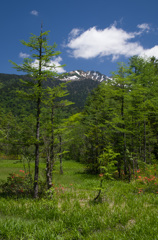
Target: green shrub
[
  {"x": 146, "y": 179},
  {"x": 18, "y": 184}
]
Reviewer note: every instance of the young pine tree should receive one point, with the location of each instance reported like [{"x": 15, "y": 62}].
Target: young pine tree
[{"x": 39, "y": 67}]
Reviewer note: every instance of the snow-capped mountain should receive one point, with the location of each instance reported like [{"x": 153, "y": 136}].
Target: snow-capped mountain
[{"x": 81, "y": 75}]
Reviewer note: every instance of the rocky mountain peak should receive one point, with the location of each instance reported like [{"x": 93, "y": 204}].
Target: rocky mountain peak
[{"x": 79, "y": 75}]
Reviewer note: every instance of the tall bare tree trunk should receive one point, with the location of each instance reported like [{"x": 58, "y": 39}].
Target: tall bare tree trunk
[
  {"x": 50, "y": 160},
  {"x": 37, "y": 151},
  {"x": 38, "y": 121},
  {"x": 60, "y": 151},
  {"x": 144, "y": 140}
]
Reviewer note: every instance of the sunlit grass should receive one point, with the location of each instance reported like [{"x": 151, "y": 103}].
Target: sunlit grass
[
  {"x": 13, "y": 166},
  {"x": 121, "y": 214}
]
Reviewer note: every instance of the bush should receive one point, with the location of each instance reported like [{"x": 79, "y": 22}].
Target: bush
[
  {"x": 146, "y": 179},
  {"x": 18, "y": 184}
]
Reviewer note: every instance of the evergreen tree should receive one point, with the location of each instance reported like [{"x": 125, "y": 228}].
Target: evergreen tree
[
  {"x": 42, "y": 55},
  {"x": 53, "y": 101},
  {"x": 123, "y": 113},
  {"x": 144, "y": 104}
]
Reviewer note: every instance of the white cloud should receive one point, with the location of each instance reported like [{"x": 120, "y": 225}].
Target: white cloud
[
  {"x": 74, "y": 33},
  {"x": 111, "y": 41},
  {"x": 144, "y": 27},
  {"x": 23, "y": 55},
  {"x": 115, "y": 57},
  {"x": 53, "y": 65},
  {"x": 34, "y": 12},
  {"x": 150, "y": 52}
]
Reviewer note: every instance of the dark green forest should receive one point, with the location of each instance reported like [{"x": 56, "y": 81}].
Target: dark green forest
[
  {"x": 121, "y": 113},
  {"x": 10, "y": 83}
]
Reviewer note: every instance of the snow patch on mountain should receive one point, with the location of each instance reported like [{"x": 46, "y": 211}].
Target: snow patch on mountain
[{"x": 79, "y": 75}]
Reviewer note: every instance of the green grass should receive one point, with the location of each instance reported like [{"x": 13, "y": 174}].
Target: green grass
[
  {"x": 71, "y": 213},
  {"x": 13, "y": 166},
  {"x": 8, "y": 166}
]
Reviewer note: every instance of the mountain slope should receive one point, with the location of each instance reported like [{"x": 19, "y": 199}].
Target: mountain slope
[{"x": 78, "y": 89}]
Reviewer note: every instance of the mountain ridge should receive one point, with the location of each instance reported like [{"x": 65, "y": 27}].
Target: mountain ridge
[
  {"x": 78, "y": 75},
  {"x": 75, "y": 75}
]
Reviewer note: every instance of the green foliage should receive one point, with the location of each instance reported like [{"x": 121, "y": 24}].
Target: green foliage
[
  {"x": 40, "y": 67},
  {"x": 18, "y": 184},
  {"x": 78, "y": 92},
  {"x": 146, "y": 179},
  {"x": 117, "y": 129},
  {"x": 108, "y": 162},
  {"x": 121, "y": 112}
]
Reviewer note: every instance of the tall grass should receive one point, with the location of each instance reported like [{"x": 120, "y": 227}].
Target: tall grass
[{"x": 123, "y": 213}]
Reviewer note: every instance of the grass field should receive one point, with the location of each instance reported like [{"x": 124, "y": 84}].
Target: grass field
[{"x": 72, "y": 213}]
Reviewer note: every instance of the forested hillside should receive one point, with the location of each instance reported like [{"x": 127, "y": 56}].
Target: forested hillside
[{"x": 78, "y": 92}]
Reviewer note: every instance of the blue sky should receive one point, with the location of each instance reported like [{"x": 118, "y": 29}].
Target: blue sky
[{"x": 92, "y": 35}]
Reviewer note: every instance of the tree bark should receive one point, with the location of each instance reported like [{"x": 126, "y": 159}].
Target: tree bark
[
  {"x": 60, "y": 151},
  {"x": 144, "y": 140},
  {"x": 38, "y": 121},
  {"x": 37, "y": 150}
]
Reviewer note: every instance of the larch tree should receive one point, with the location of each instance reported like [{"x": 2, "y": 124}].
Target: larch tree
[
  {"x": 39, "y": 67},
  {"x": 54, "y": 100}
]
